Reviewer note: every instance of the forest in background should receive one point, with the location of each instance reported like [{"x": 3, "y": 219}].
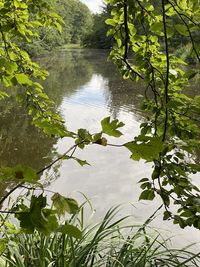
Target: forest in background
[
  {"x": 77, "y": 23},
  {"x": 81, "y": 28}
]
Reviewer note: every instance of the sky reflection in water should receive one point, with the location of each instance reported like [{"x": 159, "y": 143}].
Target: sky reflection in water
[{"x": 86, "y": 88}]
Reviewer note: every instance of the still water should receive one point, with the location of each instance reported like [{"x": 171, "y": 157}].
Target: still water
[{"x": 86, "y": 88}]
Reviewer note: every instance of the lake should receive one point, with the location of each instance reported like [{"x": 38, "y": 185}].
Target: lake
[{"x": 86, "y": 88}]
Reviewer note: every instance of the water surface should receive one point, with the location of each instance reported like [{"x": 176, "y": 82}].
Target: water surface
[{"x": 86, "y": 88}]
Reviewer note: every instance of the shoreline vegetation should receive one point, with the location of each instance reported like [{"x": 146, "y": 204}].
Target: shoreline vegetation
[
  {"x": 113, "y": 242},
  {"x": 90, "y": 32}
]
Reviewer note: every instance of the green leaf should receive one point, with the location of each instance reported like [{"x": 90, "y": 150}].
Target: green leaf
[
  {"x": 146, "y": 185},
  {"x": 29, "y": 174},
  {"x": 84, "y": 135},
  {"x": 23, "y": 79},
  {"x": 147, "y": 195},
  {"x": 3, "y": 95},
  {"x": 167, "y": 215},
  {"x": 182, "y": 29},
  {"x": 37, "y": 217},
  {"x": 149, "y": 7},
  {"x": 10, "y": 66},
  {"x": 187, "y": 213},
  {"x": 148, "y": 150},
  {"x": 63, "y": 204},
  {"x": 132, "y": 29},
  {"x": 110, "y": 127},
  {"x": 58, "y": 26},
  {"x": 70, "y": 230},
  {"x": 135, "y": 156},
  {"x": 81, "y": 162},
  {"x": 157, "y": 28},
  {"x": 72, "y": 205},
  {"x": 183, "y": 4},
  {"x": 98, "y": 139},
  {"x": 144, "y": 180},
  {"x": 3, "y": 244},
  {"x": 110, "y": 22}
]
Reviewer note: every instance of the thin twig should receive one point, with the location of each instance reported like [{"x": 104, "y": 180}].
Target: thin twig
[{"x": 56, "y": 160}]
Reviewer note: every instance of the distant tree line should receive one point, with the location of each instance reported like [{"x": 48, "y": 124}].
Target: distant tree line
[
  {"x": 97, "y": 37},
  {"x": 89, "y": 30},
  {"x": 77, "y": 22}
]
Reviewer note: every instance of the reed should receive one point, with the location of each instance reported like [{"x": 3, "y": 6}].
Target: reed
[{"x": 111, "y": 243}]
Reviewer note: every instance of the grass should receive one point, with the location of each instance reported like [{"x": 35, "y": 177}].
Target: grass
[{"x": 111, "y": 243}]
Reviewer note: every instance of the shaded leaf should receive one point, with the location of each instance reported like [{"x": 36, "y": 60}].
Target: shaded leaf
[
  {"x": 70, "y": 230},
  {"x": 63, "y": 204}
]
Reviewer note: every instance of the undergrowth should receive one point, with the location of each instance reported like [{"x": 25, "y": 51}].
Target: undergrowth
[{"x": 111, "y": 243}]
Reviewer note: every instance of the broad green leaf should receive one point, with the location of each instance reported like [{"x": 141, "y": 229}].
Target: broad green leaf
[
  {"x": 144, "y": 180},
  {"x": 170, "y": 31},
  {"x": 167, "y": 215},
  {"x": 183, "y": 4},
  {"x": 37, "y": 217},
  {"x": 63, "y": 204},
  {"x": 58, "y": 26},
  {"x": 23, "y": 79},
  {"x": 147, "y": 195},
  {"x": 147, "y": 150},
  {"x": 70, "y": 230},
  {"x": 110, "y": 22},
  {"x": 182, "y": 29},
  {"x": 3, "y": 95},
  {"x": 110, "y": 127},
  {"x": 72, "y": 205},
  {"x": 149, "y": 7},
  {"x": 11, "y": 67},
  {"x": 157, "y": 28}
]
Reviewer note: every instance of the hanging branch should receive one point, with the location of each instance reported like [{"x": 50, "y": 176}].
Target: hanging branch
[{"x": 167, "y": 69}]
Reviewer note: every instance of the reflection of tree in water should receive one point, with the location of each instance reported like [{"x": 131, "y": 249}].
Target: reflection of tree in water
[
  {"x": 21, "y": 142},
  {"x": 122, "y": 94},
  {"x": 71, "y": 69},
  {"x": 68, "y": 70}
]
